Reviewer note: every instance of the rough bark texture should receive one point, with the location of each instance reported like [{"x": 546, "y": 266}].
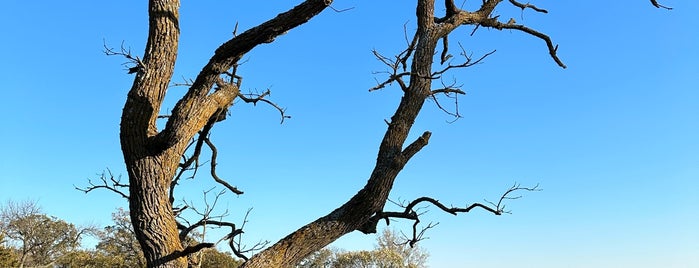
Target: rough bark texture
[{"x": 152, "y": 156}]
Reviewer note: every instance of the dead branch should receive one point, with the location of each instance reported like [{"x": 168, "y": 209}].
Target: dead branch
[
  {"x": 410, "y": 211},
  {"x": 450, "y": 91},
  {"x": 113, "y": 185},
  {"x": 238, "y": 248},
  {"x": 138, "y": 67},
  {"x": 340, "y": 10},
  {"x": 494, "y": 23},
  {"x": 254, "y": 98},
  {"x": 468, "y": 63},
  {"x": 194, "y": 159},
  {"x": 401, "y": 61},
  {"x": 656, "y": 4},
  {"x": 528, "y": 5},
  {"x": 207, "y": 220},
  {"x": 214, "y": 154},
  {"x": 445, "y": 49},
  {"x": 417, "y": 145}
]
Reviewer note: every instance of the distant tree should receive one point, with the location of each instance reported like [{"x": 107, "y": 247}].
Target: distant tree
[
  {"x": 89, "y": 259},
  {"x": 119, "y": 240},
  {"x": 8, "y": 256},
  {"x": 397, "y": 249},
  {"x": 212, "y": 258},
  {"x": 38, "y": 238},
  {"x": 155, "y": 157},
  {"x": 323, "y": 258},
  {"x": 118, "y": 247},
  {"x": 389, "y": 252}
]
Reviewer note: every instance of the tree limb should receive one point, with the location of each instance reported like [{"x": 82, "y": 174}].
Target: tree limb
[
  {"x": 410, "y": 211},
  {"x": 189, "y": 108},
  {"x": 113, "y": 185},
  {"x": 214, "y": 154},
  {"x": 656, "y": 4},
  {"x": 494, "y": 23},
  {"x": 528, "y": 5}
]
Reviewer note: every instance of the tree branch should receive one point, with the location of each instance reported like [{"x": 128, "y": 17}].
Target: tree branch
[
  {"x": 190, "y": 107},
  {"x": 251, "y": 98},
  {"x": 214, "y": 154},
  {"x": 528, "y": 5},
  {"x": 494, "y": 23},
  {"x": 410, "y": 211},
  {"x": 655, "y": 3},
  {"x": 113, "y": 185},
  {"x": 138, "y": 65}
]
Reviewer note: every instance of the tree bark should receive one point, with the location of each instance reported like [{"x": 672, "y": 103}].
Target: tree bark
[
  {"x": 151, "y": 168},
  {"x": 151, "y": 156},
  {"x": 356, "y": 213}
]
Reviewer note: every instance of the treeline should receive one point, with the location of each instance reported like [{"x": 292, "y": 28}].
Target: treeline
[{"x": 31, "y": 238}]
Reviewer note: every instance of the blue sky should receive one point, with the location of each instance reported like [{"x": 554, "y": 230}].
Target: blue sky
[{"x": 612, "y": 140}]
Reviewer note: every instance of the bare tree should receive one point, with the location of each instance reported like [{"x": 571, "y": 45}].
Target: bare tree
[
  {"x": 39, "y": 239},
  {"x": 153, "y": 156}
]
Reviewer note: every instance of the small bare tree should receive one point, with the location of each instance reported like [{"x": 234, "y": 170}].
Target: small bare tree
[{"x": 155, "y": 158}]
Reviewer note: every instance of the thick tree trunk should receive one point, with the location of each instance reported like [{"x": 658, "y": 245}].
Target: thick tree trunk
[
  {"x": 151, "y": 211},
  {"x": 152, "y": 156},
  {"x": 150, "y": 165}
]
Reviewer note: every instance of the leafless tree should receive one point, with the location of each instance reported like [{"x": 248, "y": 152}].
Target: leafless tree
[{"x": 153, "y": 156}]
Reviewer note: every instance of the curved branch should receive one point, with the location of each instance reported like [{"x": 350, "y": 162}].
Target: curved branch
[
  {"x": 214, "y": 155},
  {"x": 655, "y": 3},
  {"x": 528, "y": 5},
  {"x": 113, "y": 185},
  {"x": 410, "y": 211},
  {"x": 493, "y": 23},
  {"x": 248, "y": 98}
]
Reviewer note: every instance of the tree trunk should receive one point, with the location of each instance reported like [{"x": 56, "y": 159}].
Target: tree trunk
[
  {"x": 392, "y": 157},
  {"x": 151, "y": 165}
]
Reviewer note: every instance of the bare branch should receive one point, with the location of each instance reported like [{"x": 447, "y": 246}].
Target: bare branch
[
  {"x": 528, "y": 5},
  {"x": 450, "y": 91},
  {"x": 113, "y": 185},
  {"x": 237, "y": 247},
  {"x": 410, "y": 211},
  {"x": 655, "y": 3},
  {"x": 340, "y": 10},
  {"x": 194, "y": 159},
  {"x": 494, "y": 23},
  {"x": 394, "y": 76},
  {"x": 251, "y": 98},
  {"x": 468, "y": 63},
  {"x": 445, "y": 48},
  {"x": 214, "y": 154},
  {"x": 417, "y": 145},
  {"x": 138, "y": 67},
  {"x": 196, "y": 248}
]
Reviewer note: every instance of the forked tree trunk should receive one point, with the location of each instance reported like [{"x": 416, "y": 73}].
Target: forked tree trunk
[
  {"x": 152, "y": 156},
  {"x": 150, "y": 165}
]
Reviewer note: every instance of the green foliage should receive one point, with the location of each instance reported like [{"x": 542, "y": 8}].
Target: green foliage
[
  {"x": 212, "y": 258},
  {"x": 120, "y": 240},
  {"x": 89, "y": 259},
  {"x": 8, "y": 257},
  {"x": 30, "y": 238},
  {"x": 388, "y": 253},
  {"x": 39, "y": 239}
]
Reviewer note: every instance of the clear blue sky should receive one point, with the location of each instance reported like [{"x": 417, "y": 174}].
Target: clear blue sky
[{"x": 612, "y": 140}]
